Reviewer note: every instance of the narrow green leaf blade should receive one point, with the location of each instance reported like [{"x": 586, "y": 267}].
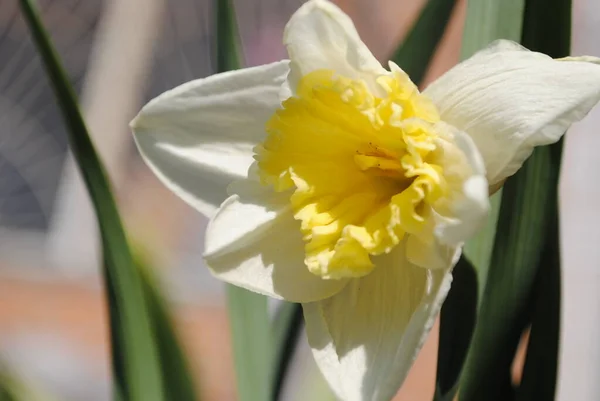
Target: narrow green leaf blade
[
  {"x": 252, "y": 347},
  {"x": 540, "y": 373},
  {"x": 135, "y": 357},
  {"x": 178, "y": 379},
  {"x": 248, "y": 314},
  {"x": 457, "y": 322},
  {"x": 487, "y": 20},
  {"x": 547, "y": 28},
  {"x": 227, "y": 47},
  {"x": 286, "y": 332},
  {"x": 527, "y": 208},
  {"x": 527, "y": 223},
  {"x": 418, "y": 48}
]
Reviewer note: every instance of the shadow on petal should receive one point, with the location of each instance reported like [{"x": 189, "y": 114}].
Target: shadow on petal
[
  {"x": 366, "y": 338},
  {"x": 254, "y": 242}
]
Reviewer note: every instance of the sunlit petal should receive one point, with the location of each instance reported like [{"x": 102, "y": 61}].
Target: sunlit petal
[
  {"x": 366, "y": 337},
  {"x": 254, "y": 242},
  {"x": 509, "y": 100},
  {"x": 198, "y": 137},
  {"x": 321, "y": 36}
]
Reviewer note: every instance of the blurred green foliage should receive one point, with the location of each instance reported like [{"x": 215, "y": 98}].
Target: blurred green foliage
[{"x": 147, "y": 362}]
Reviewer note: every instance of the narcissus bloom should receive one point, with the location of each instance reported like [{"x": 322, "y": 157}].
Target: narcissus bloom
[{"x": 349, "y": 190}]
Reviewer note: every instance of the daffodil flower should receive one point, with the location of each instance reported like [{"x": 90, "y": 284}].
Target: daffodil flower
[{"x": 349, "y": 190}]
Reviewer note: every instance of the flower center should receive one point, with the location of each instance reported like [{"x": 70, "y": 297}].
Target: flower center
[{"x": 364, "y": 169}]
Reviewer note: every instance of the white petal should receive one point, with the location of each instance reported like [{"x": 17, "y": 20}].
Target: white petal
[
  {"x": 463, "y": 211},
  {"x": 510, "y": 100},
  {"x": 366, "y": 337},
  {"x": 254, "y": 242},
  {"x": 471, "y": 206},
  {"x": 198, "y": 137},
  {"x": 427, "y": 252},
  {"x": 321, "y": 36}
]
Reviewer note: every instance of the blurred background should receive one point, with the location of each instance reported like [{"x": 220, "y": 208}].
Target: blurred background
[{"x": 120, "y": 54}]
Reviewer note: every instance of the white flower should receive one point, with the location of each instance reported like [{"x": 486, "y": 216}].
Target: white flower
[{"x": 351, "y": 192}]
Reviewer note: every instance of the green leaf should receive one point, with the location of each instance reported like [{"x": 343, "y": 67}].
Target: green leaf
[
  {"x": 135, "y": 358},
  {"x": 486, "y": 21},
  {"x": 458, "y": 314},
  {"x": 528, "y": 207},
  {"x": 13, "y": 388},
  {"x": 524, "y": 216},
  {"x": 227, "y": 48},
  {"x": 417, "y": 49},
  {"x": 178, "y": 379},
  {"x": 457, "y": 322},
  {"x": 527, "y": 222},
  {"x": 252, "y": 346},
  {"x": 286, "y": 332},
  {"x": 547, "y": 28},
  {"x": 248, "y": 314},
  {"x": 539, "y": 377}
]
